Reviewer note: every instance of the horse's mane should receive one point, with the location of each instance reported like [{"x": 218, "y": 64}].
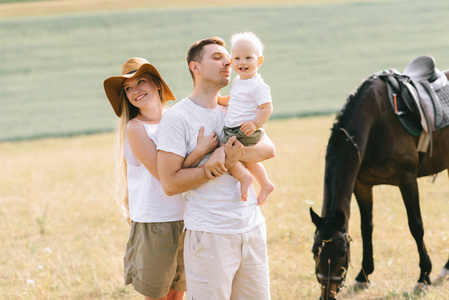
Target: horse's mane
[
  {"x": 334, "y": 162},
  {"x": 351, "y": 102}
]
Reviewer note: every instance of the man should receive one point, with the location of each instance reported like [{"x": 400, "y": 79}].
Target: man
[{"x": 225, "y": 246}]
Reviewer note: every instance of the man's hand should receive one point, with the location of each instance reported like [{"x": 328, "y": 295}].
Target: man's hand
[
  {"x": 215, "y": 165},
  {"x": 234, "y": 152}
]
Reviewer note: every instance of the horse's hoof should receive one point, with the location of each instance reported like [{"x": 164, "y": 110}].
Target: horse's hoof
[
  {"x": 444, "y": 273},
  {"x": 360, "y": 285},
  {"x": 421, "y": 287}
]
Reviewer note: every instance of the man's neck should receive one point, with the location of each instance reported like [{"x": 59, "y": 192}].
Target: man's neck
[{"x": 204, "y": 98}]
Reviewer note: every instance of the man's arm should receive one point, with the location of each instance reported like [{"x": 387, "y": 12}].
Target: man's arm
[
  {"x": 261, "y": 151},
  {"x": 226, "y": 157},
  {"x": 174, "y": 178}
]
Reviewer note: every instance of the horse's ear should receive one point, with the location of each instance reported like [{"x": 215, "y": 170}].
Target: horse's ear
[
  {"x": 340, "y": 218},
  {"x": 316, "y": 219}
]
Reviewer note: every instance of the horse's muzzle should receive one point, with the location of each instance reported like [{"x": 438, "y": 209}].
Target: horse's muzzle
[{"x": 329, "y": 287}]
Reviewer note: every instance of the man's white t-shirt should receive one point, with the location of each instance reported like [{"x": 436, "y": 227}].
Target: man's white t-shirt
[
  {"x": 215, "y": 206},
  {"x": 246, "y": 97}
]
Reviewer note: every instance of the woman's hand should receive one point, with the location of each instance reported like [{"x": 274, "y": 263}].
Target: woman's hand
[{"x": 206, "y": 144}]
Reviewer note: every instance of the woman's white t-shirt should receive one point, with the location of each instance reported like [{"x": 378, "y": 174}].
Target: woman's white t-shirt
[{"x": 147, "y": 200}]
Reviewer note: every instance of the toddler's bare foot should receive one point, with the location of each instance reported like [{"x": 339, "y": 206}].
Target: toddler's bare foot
[
  {"x": 264, "y": 192},
  {"x": 245, "y": 185}
]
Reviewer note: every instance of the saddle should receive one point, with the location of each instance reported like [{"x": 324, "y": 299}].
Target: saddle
[{"x": 419, "y": 97}]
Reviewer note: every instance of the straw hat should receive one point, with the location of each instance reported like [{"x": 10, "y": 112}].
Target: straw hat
[{"x": 133, "y": 67}]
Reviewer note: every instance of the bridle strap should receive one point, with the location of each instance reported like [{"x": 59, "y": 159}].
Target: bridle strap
[
  {"x": 343, "y": 235},
  {"x": 329, "y": 278},
  {"x": 351, "y": 139},
  {"x": 334, "y": 279}
]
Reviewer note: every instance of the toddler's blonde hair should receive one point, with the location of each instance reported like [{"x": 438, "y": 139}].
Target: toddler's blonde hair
[{"x": 250, "y": 37}]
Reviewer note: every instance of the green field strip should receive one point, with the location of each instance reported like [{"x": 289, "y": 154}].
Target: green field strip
[{"x": 53, "y": 67}]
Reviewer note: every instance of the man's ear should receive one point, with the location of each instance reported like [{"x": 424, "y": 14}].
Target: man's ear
[
  {"x": 260, "y": 61},
  {"x": 193, "y": 67}
]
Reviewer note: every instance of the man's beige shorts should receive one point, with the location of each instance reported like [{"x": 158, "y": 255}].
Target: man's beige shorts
[
  {"x": 154, "y": 260},
  {"x": 227, "y": 266}
]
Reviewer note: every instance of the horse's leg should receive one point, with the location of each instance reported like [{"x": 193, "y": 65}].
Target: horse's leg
[
  {"x": 445, "y": 271},
  {"x": 364, "y": 196},
  {"x": 410, "y": 195}
]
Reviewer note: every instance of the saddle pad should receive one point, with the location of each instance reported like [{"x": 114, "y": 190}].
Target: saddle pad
[{"x": 442, "y": 108}]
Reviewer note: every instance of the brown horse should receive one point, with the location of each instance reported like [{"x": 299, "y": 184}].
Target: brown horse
[{"x": 368, "y": 146}]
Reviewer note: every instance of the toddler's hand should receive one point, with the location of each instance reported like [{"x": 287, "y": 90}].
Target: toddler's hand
[{"x": 248, "y": 128}]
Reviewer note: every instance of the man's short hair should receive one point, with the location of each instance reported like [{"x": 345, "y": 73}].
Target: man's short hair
[{"x": 195, "y": 52}]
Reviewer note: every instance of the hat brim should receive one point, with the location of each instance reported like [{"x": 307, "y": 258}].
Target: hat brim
[{"x": 113, "y": 86}]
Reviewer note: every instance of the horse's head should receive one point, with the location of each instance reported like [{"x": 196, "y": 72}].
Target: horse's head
[{"x": 330, "y": 252}]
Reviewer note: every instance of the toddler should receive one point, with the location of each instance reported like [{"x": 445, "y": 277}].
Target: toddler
[{"x": 249, "y": 107}]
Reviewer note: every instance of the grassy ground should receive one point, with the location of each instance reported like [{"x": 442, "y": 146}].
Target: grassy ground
[
  {"x": 61, "y": 235},
  {"x": 316, "y": 53}
]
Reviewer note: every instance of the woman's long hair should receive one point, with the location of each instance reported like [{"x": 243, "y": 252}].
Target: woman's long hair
[{"x": 129, "y": 112}]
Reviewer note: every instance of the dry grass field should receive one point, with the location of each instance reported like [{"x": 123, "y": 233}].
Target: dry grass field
[{"x": 61, "y": 235}]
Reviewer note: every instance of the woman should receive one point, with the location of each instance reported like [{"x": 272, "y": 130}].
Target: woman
[{"x": 153, "y": 259}]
